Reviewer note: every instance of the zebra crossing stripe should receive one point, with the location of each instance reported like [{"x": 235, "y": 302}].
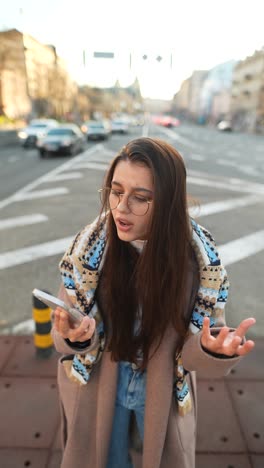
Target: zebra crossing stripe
[
  {"x": 239, "y": 249},
  {"x": 42, "y": 194},
  {"x": 22, "y": 221},
  {"x": 231, "y": 252},
  {"x": 226, "y": 205}
]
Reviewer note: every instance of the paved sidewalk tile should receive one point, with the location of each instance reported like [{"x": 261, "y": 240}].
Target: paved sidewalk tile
[
  {"x": 29, "y": 416},
  {"x": 7, "y": 345},
  {"x": 24, "y": 361},
  {"x": 248, "y": 398},
  {"x": 222, "y": 461},
  {"x": 24, "y": 458},
  {"x": 230, "y": 411},
  {"x": 217, "y": 429}
]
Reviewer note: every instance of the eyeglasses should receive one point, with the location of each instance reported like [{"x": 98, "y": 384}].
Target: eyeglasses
[{"x": 137, "y": 204}]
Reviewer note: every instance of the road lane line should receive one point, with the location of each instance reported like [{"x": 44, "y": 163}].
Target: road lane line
[
  {"x": 35, "y": 252},
  {"x": 27, "y": 327},
  {"x": 226, "y": 205},
  {"x": 92, "y": 165},
  {"x": 175, "y": 136},
  {"x": 45, "y": 178},
  {"x": 242, "y": 248},
  {"x": 66, "y": 176},
  {"x": 231, "y": 252},
  {"x": 197, "y": 157},
  {"x": 227, "y": 186},
  {"x": 22, "y": 221},
  {"x": 254, "y": 186},
  {"x": 41, "y": 194}
]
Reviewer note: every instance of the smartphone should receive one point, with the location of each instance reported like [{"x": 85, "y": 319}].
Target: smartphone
[{"x": 53, "y": 302}]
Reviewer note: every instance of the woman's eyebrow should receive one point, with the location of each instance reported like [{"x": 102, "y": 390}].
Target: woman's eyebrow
[{"x": 136, "y": 189}]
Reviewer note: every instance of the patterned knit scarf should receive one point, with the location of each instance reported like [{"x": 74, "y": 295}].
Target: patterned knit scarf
[{"x": 80, "y": 268}]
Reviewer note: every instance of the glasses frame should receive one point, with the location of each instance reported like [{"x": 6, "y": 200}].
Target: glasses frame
[{"x": 101, "y": 191}]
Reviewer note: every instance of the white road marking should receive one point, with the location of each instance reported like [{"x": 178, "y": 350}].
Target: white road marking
[
  {"x": 66, "y": 176},
  {"x": 242, "y": 248},
  {"x": 27, "y": 327},
  {"x": 231, "y": 252},
  {"x": 92, "y": 165},
  {"x": 35, "y": 252},
  {"x": 41, "y": 194},
  {"x": 22, "y": 221},
  {"x": 244, "y": 168},
  {"x": 249, "y": 188},
  {"x": 175, "y": 136},
  {"x": 46, "y": 177},
  {"x": 197, "y": 157},
  {"x": 254, "y": 186},
  {"x": 226, "y": 205}
]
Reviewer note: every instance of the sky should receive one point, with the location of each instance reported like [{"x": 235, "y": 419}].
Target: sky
[{"x": 188, "y": 35}]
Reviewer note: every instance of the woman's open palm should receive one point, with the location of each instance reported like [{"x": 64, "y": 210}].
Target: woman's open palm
[{"x": 228, "y": 342}]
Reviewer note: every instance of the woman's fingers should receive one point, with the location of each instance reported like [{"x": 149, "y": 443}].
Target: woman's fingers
[
  {"x": 67, "y": 329},
  {"x": 245, "y": 348},
  {"x": 84, "y": 331},
  {"x": 244, "y": 326},
  {"x": 228, "y": 342}
]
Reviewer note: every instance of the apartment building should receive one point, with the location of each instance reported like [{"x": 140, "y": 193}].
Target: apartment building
[{"x": 247, "y": 103}]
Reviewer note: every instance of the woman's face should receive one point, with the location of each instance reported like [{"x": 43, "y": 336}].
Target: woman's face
[{"x": 135, "y": 181}]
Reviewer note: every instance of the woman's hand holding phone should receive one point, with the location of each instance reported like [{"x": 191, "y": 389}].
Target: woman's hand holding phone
[{"x": 70, "y": 330}]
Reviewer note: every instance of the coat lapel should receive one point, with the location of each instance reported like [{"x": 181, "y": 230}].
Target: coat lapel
[
  {"x": 105, "y": 407},
  {"x": 158, "y": 399}
]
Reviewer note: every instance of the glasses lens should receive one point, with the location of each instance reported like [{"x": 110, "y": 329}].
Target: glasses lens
[
  {"x": 111, "y": 198},
  {"x": 136, "y": 204}
]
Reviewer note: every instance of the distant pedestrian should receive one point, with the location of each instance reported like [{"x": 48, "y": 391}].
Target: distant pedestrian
[{"x": 154, "y": 290}]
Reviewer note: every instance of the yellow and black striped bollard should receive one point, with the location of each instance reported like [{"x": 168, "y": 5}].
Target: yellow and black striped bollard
[{"x": 42, "y": 337}]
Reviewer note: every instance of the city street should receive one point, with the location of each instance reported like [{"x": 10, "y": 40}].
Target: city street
[{"x": 44, "y": 203}]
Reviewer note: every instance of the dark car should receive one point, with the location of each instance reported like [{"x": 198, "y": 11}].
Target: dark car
[
  {"x": 65, "y": 139},
  {"x": 97, "y": 129}
]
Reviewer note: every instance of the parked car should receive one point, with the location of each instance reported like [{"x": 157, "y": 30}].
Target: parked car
[
  {"x": 224, "y": 126},
  {"x": 97, "y": 129},
  {"x": 119, "y": 126},
  {"x": 65, "y": 139},
  {"x": 37, "y": 128}
]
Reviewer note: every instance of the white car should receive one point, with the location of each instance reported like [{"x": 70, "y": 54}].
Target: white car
[
  {"x": 36, "y": 129},
  {"x": 224, "y": 126},
  {"x": 119, "y": 126}
]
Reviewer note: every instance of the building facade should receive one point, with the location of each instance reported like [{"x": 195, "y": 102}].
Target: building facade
[
  {"x": 34, "y": 80},
  {"x": 247, "y": 103}
]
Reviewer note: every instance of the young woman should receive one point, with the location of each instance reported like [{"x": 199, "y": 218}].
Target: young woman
[{"x": 153, "y": 288}]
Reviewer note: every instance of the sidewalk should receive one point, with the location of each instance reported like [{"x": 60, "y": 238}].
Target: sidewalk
[{"x": 230, "y": 411}]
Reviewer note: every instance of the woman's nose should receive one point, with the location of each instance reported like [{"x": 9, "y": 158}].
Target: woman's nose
[{"x": 123, "y": 205}]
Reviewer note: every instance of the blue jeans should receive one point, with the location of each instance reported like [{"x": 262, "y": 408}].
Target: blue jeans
[{"x": 131, "y": 392}]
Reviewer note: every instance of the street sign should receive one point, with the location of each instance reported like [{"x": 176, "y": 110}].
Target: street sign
[{"x": 103, "y": 54}]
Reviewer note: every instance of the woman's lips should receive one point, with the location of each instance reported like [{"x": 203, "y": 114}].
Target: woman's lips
[{"x": 123, "y": 225}]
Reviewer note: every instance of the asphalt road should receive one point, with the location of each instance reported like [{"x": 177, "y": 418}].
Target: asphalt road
[{"x": 43, "y": 203}]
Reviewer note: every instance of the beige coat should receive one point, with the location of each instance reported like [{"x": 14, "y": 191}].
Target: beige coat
[{"x": 169, "y": 439}]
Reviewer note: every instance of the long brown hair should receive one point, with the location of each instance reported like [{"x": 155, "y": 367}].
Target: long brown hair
[{"x": 153, "y": 282}]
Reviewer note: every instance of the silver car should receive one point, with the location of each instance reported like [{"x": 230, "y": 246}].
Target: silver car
[{"x": 36, "y": 129}]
